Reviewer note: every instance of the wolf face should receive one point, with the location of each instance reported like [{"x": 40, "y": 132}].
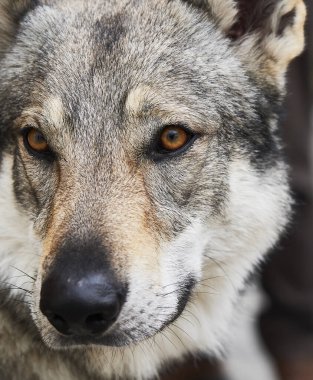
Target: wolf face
[{"x": 141, "y": 175}]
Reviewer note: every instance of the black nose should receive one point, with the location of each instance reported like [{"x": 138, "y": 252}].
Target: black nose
[{"x": 81, "y": 305}]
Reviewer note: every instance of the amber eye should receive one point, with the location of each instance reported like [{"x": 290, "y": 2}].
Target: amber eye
[
  {"x": 35, "y": 141},
  {"x": 173, "y": 138}
]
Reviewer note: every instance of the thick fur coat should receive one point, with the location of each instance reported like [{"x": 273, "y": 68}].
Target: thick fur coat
[{"x": 179, "y": 231}]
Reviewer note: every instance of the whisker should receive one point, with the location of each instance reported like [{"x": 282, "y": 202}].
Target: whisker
[
  {"x": 192, "y": 314},
  {"x": 174, "y": 333},
  {"x": 15, "y": 287},
  {"x": 182, "y": 330},
  {"x": 26, "y": 274},
  {"x": 221, "y": 268},
  {"x": 163, "y": 335}
]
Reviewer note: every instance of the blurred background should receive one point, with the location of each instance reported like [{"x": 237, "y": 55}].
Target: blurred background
[{"x": 274, "y": 336}]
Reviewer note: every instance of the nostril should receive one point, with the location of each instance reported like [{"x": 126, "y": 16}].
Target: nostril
[
  {"x": 59, "y": 323},
  {"x": 95, "y": 318},
  {"x": 95, "y": 323}
]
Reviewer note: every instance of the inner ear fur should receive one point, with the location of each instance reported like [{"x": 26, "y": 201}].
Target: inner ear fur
[
  {"x": 11, "y": 13},
  {"x": 266, "y": 34}
]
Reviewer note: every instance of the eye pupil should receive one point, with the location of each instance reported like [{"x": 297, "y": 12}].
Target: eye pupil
[
  {"x": 174, "y": 138},
  {"x": 36, "y": 141},
  {"x": 39, "y": 138},
  {"x": 172, "y": 135}
]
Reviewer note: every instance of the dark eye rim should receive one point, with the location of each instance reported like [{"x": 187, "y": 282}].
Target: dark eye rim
[
  {"x": 48, "y": 155},
  {"x": 159, "y": 153}
]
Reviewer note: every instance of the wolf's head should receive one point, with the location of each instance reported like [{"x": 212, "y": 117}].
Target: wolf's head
[{"x": 140, "y": 142}]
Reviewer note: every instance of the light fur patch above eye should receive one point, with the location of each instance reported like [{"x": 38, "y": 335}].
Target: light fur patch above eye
[
  {"x": 54, "y": 110},
  {"x": 136, "y": 98}
]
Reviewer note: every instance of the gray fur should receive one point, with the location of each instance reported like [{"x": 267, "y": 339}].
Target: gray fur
[{"x": 100, "y": 79}]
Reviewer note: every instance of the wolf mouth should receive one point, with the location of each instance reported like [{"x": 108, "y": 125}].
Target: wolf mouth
[{"x": 185, "y": 294}]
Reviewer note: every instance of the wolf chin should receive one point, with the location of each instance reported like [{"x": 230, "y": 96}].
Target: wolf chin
[{"x": 141, "y": 177}]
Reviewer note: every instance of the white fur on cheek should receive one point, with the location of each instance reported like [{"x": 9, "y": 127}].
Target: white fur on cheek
[
  {"x": 18, "y": 248},
  {"x": 257, "y": 212}
]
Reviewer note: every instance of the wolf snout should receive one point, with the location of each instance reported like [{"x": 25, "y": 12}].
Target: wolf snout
[{"x": 85, "y": 305}]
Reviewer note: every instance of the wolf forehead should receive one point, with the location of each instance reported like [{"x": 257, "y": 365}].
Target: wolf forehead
[{"x": 96, "y": 54}]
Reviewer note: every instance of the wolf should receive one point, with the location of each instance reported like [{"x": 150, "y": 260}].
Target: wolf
[{"x": 142, "y": 177}]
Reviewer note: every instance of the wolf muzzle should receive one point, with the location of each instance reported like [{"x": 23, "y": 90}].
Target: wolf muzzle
[{"x": 80, "y": 295}]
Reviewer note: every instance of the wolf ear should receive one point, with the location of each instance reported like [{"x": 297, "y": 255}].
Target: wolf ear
[
  {"x": 11, "y": 13},
  {"x": 267, "y": 34}
]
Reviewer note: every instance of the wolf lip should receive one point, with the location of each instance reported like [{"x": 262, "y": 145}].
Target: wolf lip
[{"x": 110, "y": 340}]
